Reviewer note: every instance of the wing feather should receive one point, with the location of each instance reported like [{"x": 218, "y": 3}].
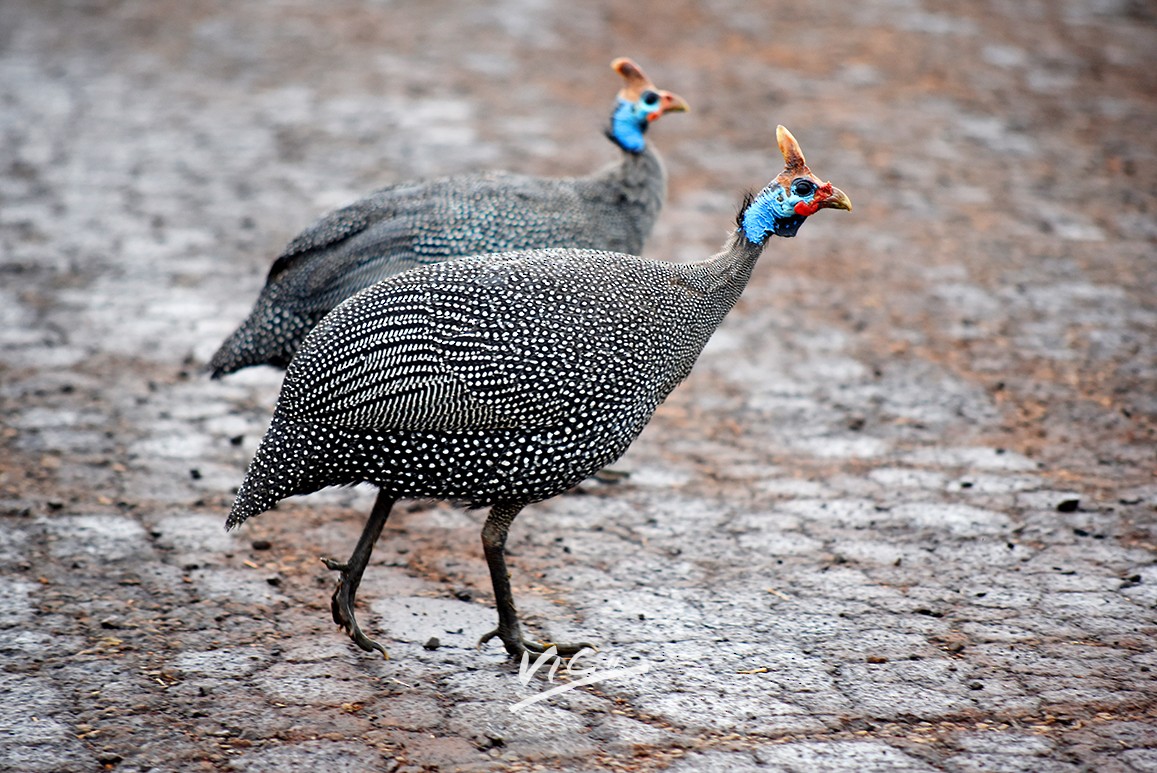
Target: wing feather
[{"x": 479, "y": 343}]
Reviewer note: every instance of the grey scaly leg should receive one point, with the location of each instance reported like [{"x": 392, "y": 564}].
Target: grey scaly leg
[
  {"x": 342, "y": 603},
  {"x": 509, "y": 630}
]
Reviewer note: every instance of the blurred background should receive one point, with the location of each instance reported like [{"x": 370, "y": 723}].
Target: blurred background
[{"x": 908, "y": 400}]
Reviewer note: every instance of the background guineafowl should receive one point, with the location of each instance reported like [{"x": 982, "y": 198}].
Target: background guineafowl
[
  {"x": 502, "y": 380},
  {"x": 414, "y": 223}
]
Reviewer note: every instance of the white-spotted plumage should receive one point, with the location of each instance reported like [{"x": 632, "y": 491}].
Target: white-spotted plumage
[
  {"x": 501, "y": 379},
  {"x": 409, "y": 224},
  {"x": 493, "y": 378}
]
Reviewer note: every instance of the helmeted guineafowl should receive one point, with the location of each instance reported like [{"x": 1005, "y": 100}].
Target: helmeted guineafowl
[
  {"x": 428, "y": 221},
  {"x": 502, "y": 380}
]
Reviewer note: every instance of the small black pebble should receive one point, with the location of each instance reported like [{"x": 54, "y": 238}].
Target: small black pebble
[
  {"x": 274, "y": 581},
  {"x": 54, "y": 505},
  {"x": 1068, "y": 506},
  {"x": 463, "y": 595},
  {"x": 965, "y": 484},
  {"x": 976, "y": 686},
  {"x": 261, "y": 544},
  {"x": 1080, "y": 532},
  {"x": 642, "y": 616},
  {"x": 432, "y": 643},
  {"x": 195, "y": 474},
  {"x": 236, "y": 440}
]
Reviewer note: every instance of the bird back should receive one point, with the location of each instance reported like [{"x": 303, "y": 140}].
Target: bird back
[{"x": 413, "y": 224}]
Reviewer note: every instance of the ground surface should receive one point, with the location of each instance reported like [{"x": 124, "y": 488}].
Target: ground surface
[{"x": 901, "y": 517}]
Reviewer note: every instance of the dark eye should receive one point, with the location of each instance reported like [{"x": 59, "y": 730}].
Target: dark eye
[
  {"x": 650, "y": 98},
  {"x": 803, "y": 187}
]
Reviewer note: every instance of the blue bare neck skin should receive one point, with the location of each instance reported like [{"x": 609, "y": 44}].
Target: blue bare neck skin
[
  {"x": 628, "y": 127},
  {"x": 772, "y": 212}
]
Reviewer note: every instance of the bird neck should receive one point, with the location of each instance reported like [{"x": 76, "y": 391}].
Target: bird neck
[
  {"x": 637, "y": 181},
  {"x": 722, "y": 277},
  {"x": 642, "y": 171},
  {"x": 712, "y": 287}
]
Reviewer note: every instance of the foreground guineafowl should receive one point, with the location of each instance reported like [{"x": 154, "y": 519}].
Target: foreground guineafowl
[
  {"x": 428, "y": 221},
  {"x": 502, "y": 380}
]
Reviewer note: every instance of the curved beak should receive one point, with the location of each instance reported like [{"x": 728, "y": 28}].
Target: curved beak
[
  {"x": 836, "y": 200},
  {"x": 670, "y": 103}
]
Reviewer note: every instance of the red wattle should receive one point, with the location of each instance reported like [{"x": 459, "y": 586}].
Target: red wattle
[{"x": 805, "y": 209}]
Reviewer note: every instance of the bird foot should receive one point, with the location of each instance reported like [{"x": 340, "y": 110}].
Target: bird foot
[
  {"x": 341, "y": 606},
  {"x": 516, "y": 646},
  {"x": 337, "y": 566},
  {"x": 610, "y": 477}
]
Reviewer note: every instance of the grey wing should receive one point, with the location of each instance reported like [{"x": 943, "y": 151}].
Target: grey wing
[
  {"x": 353, "y": 247},
  {"x": 411, "y": 224},
  {"x": 444, "y": 356}
]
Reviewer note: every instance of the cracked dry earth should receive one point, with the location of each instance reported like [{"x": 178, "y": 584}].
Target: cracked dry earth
[{"x": 901, "y": 517}]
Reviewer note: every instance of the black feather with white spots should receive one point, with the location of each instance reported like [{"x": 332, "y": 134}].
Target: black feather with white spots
[
  {"x": 498, "y": 378},
  {"x": 416, "y": 223}
]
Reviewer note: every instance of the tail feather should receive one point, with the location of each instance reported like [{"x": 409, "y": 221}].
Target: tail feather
[
  {"x": 269, "y": 336},
  {"x": 283, "y": 466}
]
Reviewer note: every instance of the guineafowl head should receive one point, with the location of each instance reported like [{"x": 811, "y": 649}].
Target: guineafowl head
[
  {"x": 639, "y": 103},
  {"x": 793, "y": 196}
]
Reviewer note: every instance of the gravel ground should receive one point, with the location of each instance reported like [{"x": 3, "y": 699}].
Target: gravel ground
[{"x": 901, "y": 517}]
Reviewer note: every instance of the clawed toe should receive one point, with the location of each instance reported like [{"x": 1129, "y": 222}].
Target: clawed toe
[
  {"x": 341, "y": 606},
  {"x": 516, "y": 646},
  {"x": 337, "y": 566},
  {"x": 567, "y": 651},
  {"x": 365, "y": 642}
]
